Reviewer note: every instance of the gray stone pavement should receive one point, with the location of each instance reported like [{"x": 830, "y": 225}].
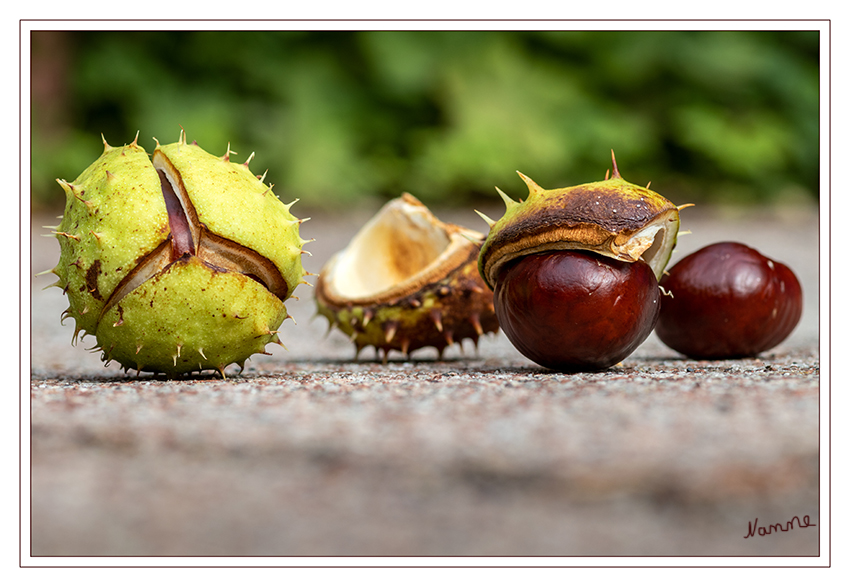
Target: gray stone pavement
[{"x": 308, "y": 452}]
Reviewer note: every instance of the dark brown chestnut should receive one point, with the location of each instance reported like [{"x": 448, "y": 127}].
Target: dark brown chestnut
[
  {"x": 574, "y": 310},
  {"x": 727, "y": 300}
]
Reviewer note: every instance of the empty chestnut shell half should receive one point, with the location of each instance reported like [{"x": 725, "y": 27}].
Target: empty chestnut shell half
[
  {"x": 575, "y": 310},
  {"x": 726, "y": 301}
]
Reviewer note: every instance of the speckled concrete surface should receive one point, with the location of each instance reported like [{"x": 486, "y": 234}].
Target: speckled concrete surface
[{"x": 308, "y": 452}]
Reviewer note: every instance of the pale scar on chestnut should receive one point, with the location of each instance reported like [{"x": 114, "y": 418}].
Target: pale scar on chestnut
[{"x": 189, "y": 237}]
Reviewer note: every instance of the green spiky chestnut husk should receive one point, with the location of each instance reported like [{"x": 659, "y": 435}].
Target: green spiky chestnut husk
[
  {"x": 176, "y": 262},
  {"x": 407, "y": 281},
  {"x": 613, "y": 218}
]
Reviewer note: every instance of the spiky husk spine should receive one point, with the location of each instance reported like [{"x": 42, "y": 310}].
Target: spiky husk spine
[{"x": 189, "y": 314}]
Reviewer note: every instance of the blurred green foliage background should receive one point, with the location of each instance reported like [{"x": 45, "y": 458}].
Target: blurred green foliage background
[{"x": 340, "y": 116}]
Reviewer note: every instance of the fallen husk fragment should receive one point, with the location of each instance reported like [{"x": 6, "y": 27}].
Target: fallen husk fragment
[
  {"x": 613, "y": 218},
  {"x": 407, "y": 281}
]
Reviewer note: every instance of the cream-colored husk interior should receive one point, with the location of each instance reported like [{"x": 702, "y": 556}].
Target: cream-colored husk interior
[{"x": 395, "y": 250}]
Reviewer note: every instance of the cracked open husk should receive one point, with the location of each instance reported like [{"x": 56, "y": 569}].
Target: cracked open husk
[
  {"x": 178, "y": 262},
  {"x": 613, "y": 218},
  {"x": 407, "y": 281}
]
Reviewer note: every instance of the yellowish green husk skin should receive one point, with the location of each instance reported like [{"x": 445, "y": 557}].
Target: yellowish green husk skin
[
  {"x": 613, "y": 218},
  {"x": 263, "y": 223},
  {"x": 190, "y": 315},
  {"x": 179, "y": 335},
  {"x": 114, "y": 214}
]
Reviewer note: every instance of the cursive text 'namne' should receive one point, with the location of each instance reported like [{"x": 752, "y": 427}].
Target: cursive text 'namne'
[{"x": 754, "y": 527}]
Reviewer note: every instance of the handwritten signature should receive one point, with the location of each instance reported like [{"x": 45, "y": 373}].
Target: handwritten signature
[{"x": 754, "y": 527}]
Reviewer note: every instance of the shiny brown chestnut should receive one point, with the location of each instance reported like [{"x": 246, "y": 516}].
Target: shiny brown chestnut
[
  {"x": 726, "y": 301},
  {"x": 575, "y": 310}
]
